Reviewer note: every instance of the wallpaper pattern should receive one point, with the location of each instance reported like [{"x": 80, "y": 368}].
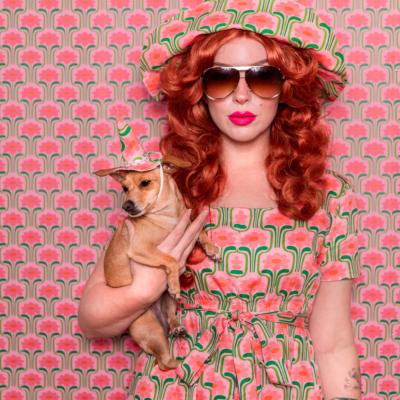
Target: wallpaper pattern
[{"x": 64, "y": 67}]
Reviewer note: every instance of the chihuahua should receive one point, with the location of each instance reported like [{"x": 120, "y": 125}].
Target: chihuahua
[{"x": 154, "y": 205}]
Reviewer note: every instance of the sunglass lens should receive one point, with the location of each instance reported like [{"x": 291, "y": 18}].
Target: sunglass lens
[
  {"x": 265, "y": 81},
  {"x": 220, "y": 82}
]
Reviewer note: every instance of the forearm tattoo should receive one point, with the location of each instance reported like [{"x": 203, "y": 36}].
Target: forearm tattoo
[
  {"x": 343, "y": 398},
  {"x": 353, "y": 379}
]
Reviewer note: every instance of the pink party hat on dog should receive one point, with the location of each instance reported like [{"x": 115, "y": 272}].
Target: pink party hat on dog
[{"x": 134, "y": 157}]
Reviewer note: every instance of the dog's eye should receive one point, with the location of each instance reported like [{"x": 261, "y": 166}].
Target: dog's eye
[
  {"x": 124, "y": 188},
  {"x": 144, "y": 183}
]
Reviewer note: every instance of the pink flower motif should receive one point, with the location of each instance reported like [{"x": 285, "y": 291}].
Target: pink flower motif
[
  {"x": 31, "y": 343},
  {"x": 102, "y": 381},
  {"x": 13, "y": 183},
  {"x": 49, "y": 4},
  {"x": 49, "y": 326},
  {"x": 32, "y": 237},
  {"x": 299, "y": 239},
  {"x": 84, "y": 147},
  {"x": 302, "y": 372},
  {"x": 377, "y": 4},
  {"x": 84, "y": 363},
  {"x": 84, "y": 39},
  {"x": 66, "y": 93},
  {"x": 155, "y": 4},
  {"x": 12, "y": 75},
  {"x": 375, "y": 75},
  {"x": 49, "y": 219},
  {"x": 291, "y": 283},
  {"x": 66, "y": 20},
  {"x": 119, "y": 75},
  {"x": 66, "y": 57},
  {"x": 100, "y": 238},
  {"x": 357, "y": 94},
  {"x": 83, "y": 219},
  {"x": 13, "y": 290},
  {"x": 392, "y": 20},
  {"x": 66, "y": 345},
  {"x": 13, "y": 325},
  {"x": 84, "y": 396},
  {"x": 12, "y": 4},
  {"x": 12, "y": 39},
  {"x": 31, "y": 308},
  {"x": 66, "y": 309},
  {"x": 84, "y": 4},
  {"x": 67, "y": 165},
  {"x": 261, "y": 20},
  {"x": 254, "y": 239},
  {"x": 12, "y": 146},
  {"x": 156, "y": 56},
  {"x": 216, "y": 18},
  {"x": 66, "y": 202},
  {"x": 118, "y": 363},
  {"x": 49, "y": 111},
  {"x": 49, "y": 255},
  {"x": 13, "y": 255},
  {"x": 31, "y": 21},
  {"x": 252, "y": 284},
  {"x": 13, "y": 361},
  {"x": 84, "y": 75},
  {"x": 48, "y": 39},
  {"x": 138, "y": 20},
  {"x": 12, "y": 219},
  {"x": 223, "y": 238},
  {"x": 84, "y": 256},
  {"x": 84, "y": 111},
  {"x": 67, "y": 380},
  {"x": 49, "y": 291},
  {"x": 276, "y": 219},
  {"x": 371, "y": 331},
  {"x": 49, "y": 395},
  {"x": 276, "y": 261},
  {"x": 289, "y": 9},
  {"x": 307, "y": 34},
  {"x": 101, "y": 164},
  {"x": 48, "y": 362},
  {"x": 67, "y": 237},
  {"x": 66, "y": 274},
  {"x": 102, "y": 129},
  {"x": 172, "y": 29},
  {"x": 31, "y": 272},
  {"x": 101, "y": 345},
  {"x": 30, "y": 57},
  {"x": 31, "y": 379},
  {"x": 120, "y": 38},
  {"x": 102, "y": 93},
  {"x": 357, "y": 57},
  {"x": 102, "y": 57},
  {"x": 358, "y": 20},
  {"x": 12, "y": 111},
  {"x": 376, "y": 39},
  {"x": 102, "y": 21},
  {"x": 339, "y": 4},
  {"x": 102, "y": 201}
]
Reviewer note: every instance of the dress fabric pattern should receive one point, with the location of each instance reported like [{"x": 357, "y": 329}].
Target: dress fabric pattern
[{"x": 247, "y": 316}]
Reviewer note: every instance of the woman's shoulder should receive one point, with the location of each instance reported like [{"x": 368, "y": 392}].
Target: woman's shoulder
[{"x": 337, "y": 184}]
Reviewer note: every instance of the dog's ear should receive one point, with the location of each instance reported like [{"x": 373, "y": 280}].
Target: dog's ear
[
  {"x": 170, "y": 164},
  {"x": 119, "y": 176}
]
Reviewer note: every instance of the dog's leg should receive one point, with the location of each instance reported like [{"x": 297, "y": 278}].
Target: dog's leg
[
  {"x": 153, "y": 257},
  {"x": 148, "y": 333},
  {"x": 169, "y": 308},
  {"x": 208, "y": 246},
  {"x": 117, "y": 268}
]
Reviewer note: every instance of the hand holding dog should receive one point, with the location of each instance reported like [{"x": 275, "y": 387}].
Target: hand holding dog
[{"x": 179, "y": 244}]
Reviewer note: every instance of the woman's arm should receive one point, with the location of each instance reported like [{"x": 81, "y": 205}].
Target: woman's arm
[
  {"x": 105, "y": 311},
  {"x": 333, "y": 340}
]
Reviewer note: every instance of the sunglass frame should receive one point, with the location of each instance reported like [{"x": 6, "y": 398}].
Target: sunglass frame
[{"x": 242, "y": 69}]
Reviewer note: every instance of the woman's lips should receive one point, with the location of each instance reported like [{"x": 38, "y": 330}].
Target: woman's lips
[{"x": 241, "y": 120}]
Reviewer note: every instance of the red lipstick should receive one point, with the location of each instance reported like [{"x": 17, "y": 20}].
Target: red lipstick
[{"x": 239, "y": 118}]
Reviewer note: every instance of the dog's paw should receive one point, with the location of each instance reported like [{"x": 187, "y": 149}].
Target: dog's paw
[
  {"x": 212, "y": 252},
  {"x": 175, "y": 293},
  {"x": 179, "y": 331}
]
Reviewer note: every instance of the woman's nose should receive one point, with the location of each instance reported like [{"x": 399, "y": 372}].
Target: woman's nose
[{"x": 242, "y": 93}]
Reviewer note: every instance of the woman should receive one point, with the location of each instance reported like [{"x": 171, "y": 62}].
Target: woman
[{"x": 285, "y": 225}]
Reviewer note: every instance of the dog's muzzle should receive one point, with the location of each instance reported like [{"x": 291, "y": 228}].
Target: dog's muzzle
[{"x": 130, "y": 208}]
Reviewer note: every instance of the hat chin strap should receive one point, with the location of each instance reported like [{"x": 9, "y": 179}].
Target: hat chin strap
[{"x": 162, "y": 184}]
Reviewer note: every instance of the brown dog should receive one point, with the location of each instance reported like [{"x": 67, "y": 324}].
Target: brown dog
[{"x": 149, "y": 223}]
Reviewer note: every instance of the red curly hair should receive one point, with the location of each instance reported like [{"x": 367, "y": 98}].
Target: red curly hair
[{"x": 299, "y": 140}]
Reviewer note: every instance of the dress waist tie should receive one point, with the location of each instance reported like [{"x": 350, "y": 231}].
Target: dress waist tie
[{"x": 271, "y": 351}]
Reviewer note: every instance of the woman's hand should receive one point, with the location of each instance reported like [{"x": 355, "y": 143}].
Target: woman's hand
[{"x": 179, "y": 244}]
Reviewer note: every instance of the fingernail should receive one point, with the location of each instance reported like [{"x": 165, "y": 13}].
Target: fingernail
[
  {"x": 189, "y": 211},
  {"x": 205, "y": 213}
]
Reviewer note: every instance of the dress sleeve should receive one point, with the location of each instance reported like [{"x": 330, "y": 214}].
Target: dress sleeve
[{"x": 338, "y": 258}]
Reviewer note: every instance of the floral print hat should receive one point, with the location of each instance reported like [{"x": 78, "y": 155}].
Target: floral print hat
[
  {"x": 284, "y": 20},
  {"x": 134, "y": 156}
]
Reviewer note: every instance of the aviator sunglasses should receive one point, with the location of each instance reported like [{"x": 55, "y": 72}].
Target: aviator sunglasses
[{"x": 265, "y": 81}]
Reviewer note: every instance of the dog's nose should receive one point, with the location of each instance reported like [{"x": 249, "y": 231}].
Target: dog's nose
[{"x": 129, "y": 207}]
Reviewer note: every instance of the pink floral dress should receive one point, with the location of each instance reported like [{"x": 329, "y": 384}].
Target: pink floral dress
[{"x": 247, "y": 316}]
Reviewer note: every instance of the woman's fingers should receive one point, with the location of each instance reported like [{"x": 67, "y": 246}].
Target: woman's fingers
[
  {"x": 192, "y": 233},
  {"x": 173, "y": 238}
]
